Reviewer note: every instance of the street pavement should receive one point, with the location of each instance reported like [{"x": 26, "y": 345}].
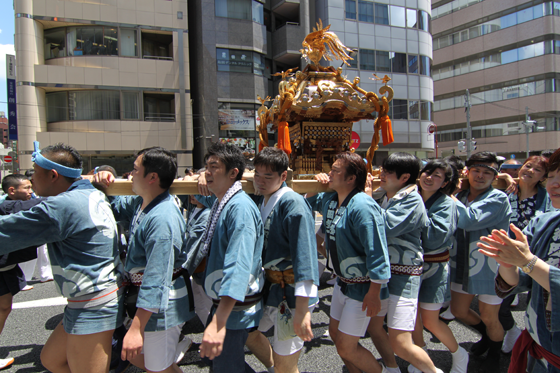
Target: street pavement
[{"x": 37, "y": 312}]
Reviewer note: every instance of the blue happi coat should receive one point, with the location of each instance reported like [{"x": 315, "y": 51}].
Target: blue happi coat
[
  {"x": 290, "y": 244},
  {"x": 543, "y": 235},
  {"x": 234, "y": 265},
  {"x": 475, "y": 271},
  {"x": 360, "y": 242},
  {"x": 437, "y": 238},
  {"x": 81, "y": 235},
  {"x": 156, "y": 247},
  {"x": 405, "y": 218},
  {"x": 542, "y": 205},
  {"x": 196, "y": 226}
]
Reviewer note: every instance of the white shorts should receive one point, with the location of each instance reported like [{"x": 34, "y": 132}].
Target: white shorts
[
  {"x": 282, "y": 348},
  {"x": 348, "y": 312},
  {"x": 400, "y": 311},
  {"x": 493, "y": 300},
  {"x": 430, "y": 306},
  {"x": 159, "y": 348}
]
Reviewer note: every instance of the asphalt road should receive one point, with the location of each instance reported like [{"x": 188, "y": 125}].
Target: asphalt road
[{"x": 34, "y": 317}]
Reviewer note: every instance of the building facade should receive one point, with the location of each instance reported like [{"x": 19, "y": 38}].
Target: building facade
[
  {"x": 4, "y": 129},
  {"x": 504, "y": 52},
  {"x": 237, "y": 46},
  {"x": 389, "y": 38},
  {"x": 115, "y": 76},
  {"x": 108, "y": 77}
]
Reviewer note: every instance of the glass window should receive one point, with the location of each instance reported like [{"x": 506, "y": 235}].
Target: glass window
[
  {"x": 539, "y": 49},
  {"x": 258, "y": 64},
  {"x": 55, "y": 43},
  {"x": 354, "y": 63},
  {"x": 57, "y": 107},
  {"x": 398, "y": 62},
  {"x": 525, "y": 15},
  {"x": 258, "y": 12},
  {"x": 493, "y": 95},
  {"x": 94, "y": 105},
  {"x": 157, "y": 46},
  {"x": 411, "y": 18},
  {"x": 538, "y": 11},
  {"x": 446, "y": 72},
  {"x": 474, "y": 32},
  {"x": 367, "y": 59},
  {"x": 365, "y": 11},
  {"x": 239, "y": 9},
  {"x": 400, "y": 109},
  {"x": 130, "y": 107},
  {"x": 477, "y": 98},
  {"x": 556, "y": 8},
  {"x": 477, "y": 64},
  {"x": 398, "y": 17},
  {"x": 445, "y": 41},
  {"x": 426, "y": 110},
  {"x": 88, "y": 41},
  {"x": 350, "y": 8},
  {"x": 381, "y": 14},
  {"x": 240, "y": 61},
  {"x": 382, "y": 61},
  {"x": 447, "y": 103},
  {"x": 159, "y": 107},
  {"x": 413, "y": 64},
  {"x": 550, "y": 85},
  {"x": 493, "y": 60},
  {"x": 425, "y": 66},
  {"x": 456, "y": 37},
  {"x": 129, "y": 45},
  {"x": 424, "y": 21},
  {"x": 109, "y": 42},
  {"x": 509, "y": 56},
  {"x": 527, "y": 51},
  {"x": 413, "y": 110},
  {"x": 508, "y": 21}
]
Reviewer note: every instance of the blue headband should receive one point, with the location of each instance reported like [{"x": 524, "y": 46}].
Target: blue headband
[
  {"x": 43, "y": 162},
  {"x": 515, "y": 166},
  {"x": 484, "y": 166}
]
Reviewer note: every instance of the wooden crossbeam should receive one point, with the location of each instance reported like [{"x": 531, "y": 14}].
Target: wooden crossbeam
[{"x": 124, "y": 187}]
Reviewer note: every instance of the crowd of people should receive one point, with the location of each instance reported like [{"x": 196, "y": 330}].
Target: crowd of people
[{"x": 135, "y": 269}]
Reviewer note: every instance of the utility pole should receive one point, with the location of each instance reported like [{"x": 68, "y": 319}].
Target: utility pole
[{"x": 469, "y": 129}]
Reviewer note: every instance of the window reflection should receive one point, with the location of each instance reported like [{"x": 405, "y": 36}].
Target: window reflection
[
  {"x": 91, "y": 41},
  {"x": 350, "y": 9},
  {"x": 367, "y": 59},
  {"x": 240, "y": 9},
  {"x": 525, "y": 15},
  {"x": 240, "y": 61},
  {"x": 499, "y": 94},
  {"x": 365, "y": 11},
  {"x": 398, "y": 17},
  {"x": 497, "y": 59},
  {"x": 381, "y": 14},
  {"x": 411, "y": 19}
]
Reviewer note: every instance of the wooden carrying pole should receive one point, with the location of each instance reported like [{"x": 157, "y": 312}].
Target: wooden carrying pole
[{"x": 124, "y": 187}]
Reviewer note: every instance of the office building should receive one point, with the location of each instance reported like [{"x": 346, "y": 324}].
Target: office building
[
  {"x": 504, "y": 52},
  {"x": 109, "y": 77}
]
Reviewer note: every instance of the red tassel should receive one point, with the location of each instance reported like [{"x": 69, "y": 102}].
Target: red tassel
[
  {"x": 386, "y": 130},
  {"x": 284, "y": 138}
]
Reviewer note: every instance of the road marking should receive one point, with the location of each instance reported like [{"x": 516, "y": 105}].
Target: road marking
[{"x": 57, "y": 301}]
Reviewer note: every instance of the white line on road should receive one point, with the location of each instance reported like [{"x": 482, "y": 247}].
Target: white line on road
[{"x": 57, "y": 301}]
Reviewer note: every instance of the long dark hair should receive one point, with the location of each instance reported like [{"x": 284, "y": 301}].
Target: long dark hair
[{"x": 433, "y": 165}]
